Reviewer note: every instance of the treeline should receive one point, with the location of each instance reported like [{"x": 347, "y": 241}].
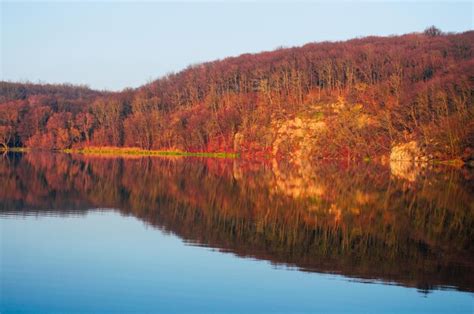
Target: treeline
[{"x": 371, "y": 93}]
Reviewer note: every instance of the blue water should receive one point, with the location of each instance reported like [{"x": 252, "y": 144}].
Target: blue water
[{"x": 105, "y": 262}]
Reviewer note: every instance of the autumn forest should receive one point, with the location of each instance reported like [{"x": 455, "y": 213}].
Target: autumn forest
[{"x": 354, "y": 99}]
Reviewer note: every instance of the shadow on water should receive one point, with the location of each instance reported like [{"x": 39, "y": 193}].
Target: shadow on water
[{"x": 363, "y": 221}]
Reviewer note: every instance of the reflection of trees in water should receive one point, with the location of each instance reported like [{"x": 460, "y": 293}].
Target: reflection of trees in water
[{"x": 357, "y": 220}]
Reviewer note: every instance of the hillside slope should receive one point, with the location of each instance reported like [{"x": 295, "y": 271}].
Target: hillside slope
[{"x": 409, "y": 95}]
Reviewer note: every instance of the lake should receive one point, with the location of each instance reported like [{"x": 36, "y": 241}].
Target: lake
[{"x": 201, "y": 235}]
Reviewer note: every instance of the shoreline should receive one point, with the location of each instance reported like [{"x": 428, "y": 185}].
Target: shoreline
[
  {"x": 133, "y": 151},
  {"x": 126, "y": 151}
]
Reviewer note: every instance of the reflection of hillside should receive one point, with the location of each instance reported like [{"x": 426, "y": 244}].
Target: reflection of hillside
[{"x": 356, "y": 220}]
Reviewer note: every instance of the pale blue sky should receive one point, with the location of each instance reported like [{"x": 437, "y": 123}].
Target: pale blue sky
[{"x": 123, "y": 44}]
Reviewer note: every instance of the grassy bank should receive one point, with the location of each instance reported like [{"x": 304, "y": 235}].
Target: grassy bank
[
  {"x": 14, "y": 149},
  {"x": 143, "y": 152}
]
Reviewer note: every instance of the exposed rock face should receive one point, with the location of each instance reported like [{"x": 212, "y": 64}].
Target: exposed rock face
[
  {"x": 296, "y": 137},
  {"x": 410, "y": 151},
  {"x": 405, "y": 170},
  {"x": 238, "y": 140},
  {"x": 405, "y": 160}
]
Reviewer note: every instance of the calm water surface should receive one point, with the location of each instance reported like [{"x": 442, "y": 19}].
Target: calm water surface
[{"x": 95, "y": 234}]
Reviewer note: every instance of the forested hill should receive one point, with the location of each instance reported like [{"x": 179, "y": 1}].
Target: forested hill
[
  {"x": 353, "y": 99},
  {"x": 60, "y": 92}
]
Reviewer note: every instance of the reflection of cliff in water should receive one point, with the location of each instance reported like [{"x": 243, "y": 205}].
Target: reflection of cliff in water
[{"x": 358, "y": 221}]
